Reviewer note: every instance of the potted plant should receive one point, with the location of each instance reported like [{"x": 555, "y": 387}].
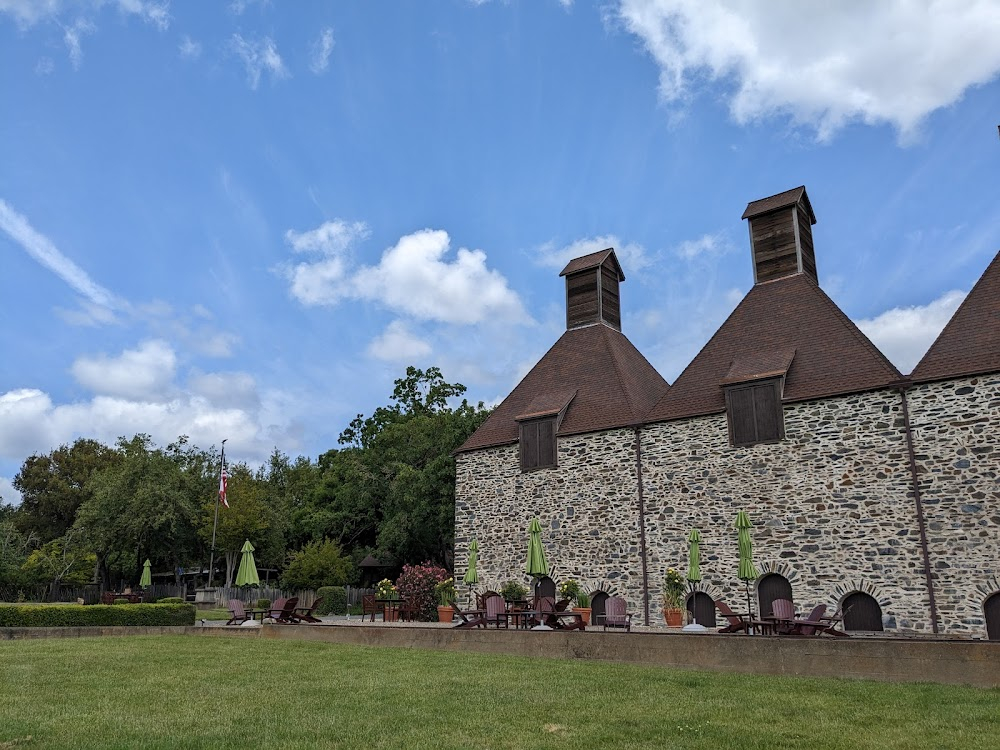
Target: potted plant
[
  {"x": 386, "y": 590},
  {"x": 446, "y": 595},
  {"x": 512, "y": 591},
  {"x": 673, "y": 596},
  {"x": 583, "y": 607},
  {"x": 569, "y": 589}
]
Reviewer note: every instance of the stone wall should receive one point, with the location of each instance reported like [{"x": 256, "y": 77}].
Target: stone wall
[
  {"x": 831, "y": 505},
  {"x": 586, "y": 506},
  {"x": 956, "y": 426}
]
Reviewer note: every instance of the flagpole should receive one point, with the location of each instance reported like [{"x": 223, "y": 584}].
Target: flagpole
[{"x": 215, "y": 526}]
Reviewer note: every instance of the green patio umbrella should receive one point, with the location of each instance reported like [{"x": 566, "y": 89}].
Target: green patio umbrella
[
  {"x": 747, "y": 571},
  {"x": 147, "y": 576},
  {"x": 247, "y": 574},
  {"x": 694, "y": 568},
  {"x": 536, "y": 566},
  {"x": 471, "y": 574}
]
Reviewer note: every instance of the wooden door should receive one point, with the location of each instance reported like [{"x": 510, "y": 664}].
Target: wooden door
[
  {"x": 861, "y": 612},
  {"x": 992, "y": 611},
  {"x": 772, "y": 586},
  {"x": 701, "y": 605}
]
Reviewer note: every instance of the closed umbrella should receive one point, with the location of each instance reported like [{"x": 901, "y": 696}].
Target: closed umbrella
[
  {"x": 146, "y": 579},
  {"x": 247, "y": 574},
  {"x": 471, "y": 577},
  {"x": 536, "y": 566},
  {"x": 694, "y": 573},
  {"x": 747, "y": 571}
]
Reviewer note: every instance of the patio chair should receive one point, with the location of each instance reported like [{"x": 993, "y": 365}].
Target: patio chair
[
  {"x": 470, "y": 618},
  {"x": 496, "y": 611},
  {"x": 370, "y": 607},
  {"x": 283, "y": 609},
  {"x": 782, "y": 616},
  {"x": 615, "y": 614},
  {"x": 307, "y": 614},
  {"x": 408, "y": 610},
  {"x": 239, "y": 615},
  {"x": 737, "y": 623},
  {"x": 817, "y": 624},
  {"x": 482, "y": 597}
]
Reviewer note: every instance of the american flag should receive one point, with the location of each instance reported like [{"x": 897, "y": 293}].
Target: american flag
[{"x": 222, "y": 485}]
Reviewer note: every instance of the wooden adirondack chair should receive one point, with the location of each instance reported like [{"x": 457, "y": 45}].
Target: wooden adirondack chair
[
  {"x": 737, "y": 623},
  {"x": 306, "y": 614},
  {"x": 369, "y": 607},
  {"x": 239, "y": 615},
  {"x": 496, "y": 611},
  {"x": 470, "y": 618},
  {"x": 615, "y": 614},
  {"x": 283, "y": 609}
]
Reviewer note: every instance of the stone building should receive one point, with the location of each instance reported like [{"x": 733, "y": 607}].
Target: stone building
[{"x": 869, "y": 491}]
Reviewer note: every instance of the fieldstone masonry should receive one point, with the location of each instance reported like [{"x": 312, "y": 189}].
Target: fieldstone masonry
[
  {"x": 956, "y": 426},
  {"x": 832, "y": 504}
]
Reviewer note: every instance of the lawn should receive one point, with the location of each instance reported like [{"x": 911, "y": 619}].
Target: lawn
[{"x": 187, "y": 692}]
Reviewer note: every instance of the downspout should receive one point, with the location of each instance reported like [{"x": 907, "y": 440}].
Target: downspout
[
  {"x": 921, "y": 525},
  {"x": 642, "y": 529}
]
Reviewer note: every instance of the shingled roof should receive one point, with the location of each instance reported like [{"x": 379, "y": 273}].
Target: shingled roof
[
  {"x": 613, "y": 384},
  {"x": 785, "y": 325},
  {"x": 970, "y": 343},
  {"x": 781, "y": 200}
]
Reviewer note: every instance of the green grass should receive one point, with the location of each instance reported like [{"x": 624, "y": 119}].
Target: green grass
[
  {"x": 213, "y": 614},
  {"x": 187, "y": 692}
]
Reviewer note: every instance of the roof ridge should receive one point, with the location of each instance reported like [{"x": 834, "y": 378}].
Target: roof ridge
[
  {"x": 618, "y": 373},
  {"x": 854, "y": 330}
]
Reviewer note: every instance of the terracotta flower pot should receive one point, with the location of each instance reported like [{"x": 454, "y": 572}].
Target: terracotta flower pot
[
  {"x": 445, "y": 614},
  {"x": 584, "y": 614},
  {"x": 674, "y": 617}
]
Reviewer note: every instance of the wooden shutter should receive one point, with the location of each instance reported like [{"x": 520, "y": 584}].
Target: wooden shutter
[
  {"x": 529, "y": 445},
  {"x": 754, "y": 413},
  {"x": 767, "y": 410},
  {"x": 538, "y": 444},
  {"x": 861, "y": 612},
  {"x": 742, "y": 425},
  {"x": 992, "y": 611}
]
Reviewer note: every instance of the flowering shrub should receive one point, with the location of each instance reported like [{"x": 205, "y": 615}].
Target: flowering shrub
[
  {"x": 446, "y": 592},
  {"x": 673, "y": 589},
  {"x": 385, "y": 589},
  {"x": 569, "y": 589},
  {"x": 513, "y": 591},
  {"x": 418, "y": 585}
]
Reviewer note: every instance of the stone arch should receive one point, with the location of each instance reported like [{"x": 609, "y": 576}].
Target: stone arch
[{"x": 770, "y": 586}]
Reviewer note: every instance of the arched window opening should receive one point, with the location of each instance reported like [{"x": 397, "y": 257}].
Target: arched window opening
[
  {"x": 991, "y": 608},
  {"x": 861, "y": 612},
  {"x": 772, "y": 586},
  {"x": 701, "y": 606},
  {"x": 597, "y": 601}
]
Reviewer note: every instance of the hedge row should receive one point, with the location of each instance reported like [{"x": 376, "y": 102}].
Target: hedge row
[
  {"x": 75, "y": 615},
  {"x": 334, "y": 601}
]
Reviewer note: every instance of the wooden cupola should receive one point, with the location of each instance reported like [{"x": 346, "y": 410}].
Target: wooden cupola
[
  {"x": 781, "y": 236},
  {"x": 592, "y": 290}
]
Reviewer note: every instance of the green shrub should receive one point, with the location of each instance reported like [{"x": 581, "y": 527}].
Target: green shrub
[
  {"x": 263, "y": 604},
  {"x": 101, "y": 615},
  {"x": 334, "y": 601},
  {"x": 120, "y": 600},
  {"x": 169, "y": 600}
]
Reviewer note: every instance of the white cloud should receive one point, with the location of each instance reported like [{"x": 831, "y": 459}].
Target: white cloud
[
  {"x": 45, "y": 66},
  {"x": 905, "y": 333},
  {"x": 155, "y": 13},
  {"x": 321, "y": 49},
  {"x": 45, "y": 252},
  {"x": 399, "y": 344},
  {"x": 189, "y": 49},
  {"x": 631, "y": 255},
  {"x": 143, "y": 374},
  {"x": 825, "y": 64},
  {"x": 29, "y": 12},
  {"x": 706, "y": 245},
  {"x": 259, "y": 57},
  {"x": 226, "y": 389},
  {"x": 414, "y": 277},
  {"x": 87, "y": 314},
  {"x": 238, "y": 6},
  {"x": 71, "y": 37}
]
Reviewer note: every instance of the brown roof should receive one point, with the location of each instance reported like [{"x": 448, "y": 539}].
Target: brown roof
[
  {"x": 593, "y": 261},
  {"x": 970, "y": 343},
  {"x": 547, "y": 405},
  {"x": 614, "y": 386},
  {"x": 756, "y": 365},
  {"x": 791, "y": 315},
  {"x": 781, "y": 200}
]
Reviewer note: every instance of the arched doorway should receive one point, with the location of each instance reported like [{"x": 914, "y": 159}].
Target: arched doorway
[
  {"x": 861, "y": 612},
  {"x": 597, "y": 601},
  {"x": 772, "y": 586},
  {"x": 702, "y": 607},
  {"x": 991, "y": 608}
]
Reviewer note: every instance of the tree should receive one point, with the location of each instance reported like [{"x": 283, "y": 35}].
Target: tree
[
  {"x": 54, "y": 486},
  {"x": 14, "y": 547},
  {"x": 317, "y": 564},
  {"x": 62, "y": 561}
]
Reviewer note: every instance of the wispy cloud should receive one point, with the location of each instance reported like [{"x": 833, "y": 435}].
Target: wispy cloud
[
  {"x": 189, "y": 49},
  {"x": 45, "y": 252},
  {"x": 321, "y": 49},
  {"x": 71, "y": 38},
  {"x": 707, "y": 244},
  {"x": 631, "y": 255},
  {"x": 259, "y": 57}
]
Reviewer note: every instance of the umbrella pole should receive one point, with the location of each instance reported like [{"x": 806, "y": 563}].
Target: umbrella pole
[
  {"x": 694, "y": 611},
  {"x": 749, "y": 608}
]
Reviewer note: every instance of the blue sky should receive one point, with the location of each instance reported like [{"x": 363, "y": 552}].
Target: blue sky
[{"x": 243, "y": 220}]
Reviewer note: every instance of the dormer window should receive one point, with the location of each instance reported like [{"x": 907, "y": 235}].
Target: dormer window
[
  {"x": 754, "y": 411},
  {"x": 538, "y": 427},
  {"x": 754, "y": 386},
  {"x": 538, "y": 444}
]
